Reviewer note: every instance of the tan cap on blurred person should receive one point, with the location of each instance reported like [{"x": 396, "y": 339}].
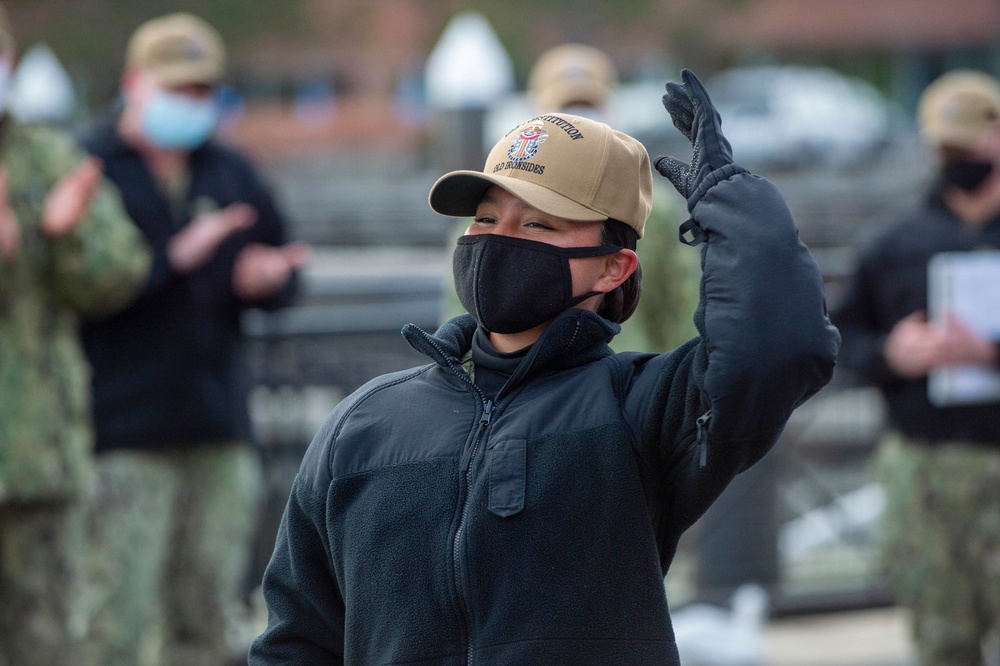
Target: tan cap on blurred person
[
  {"x": 178, "y": 49},
  {"x": 572, "y": 75},
  {"x": 958, "y": 109}
]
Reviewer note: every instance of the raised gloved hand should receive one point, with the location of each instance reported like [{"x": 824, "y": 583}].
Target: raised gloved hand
[{"x": 694, "y": 115}]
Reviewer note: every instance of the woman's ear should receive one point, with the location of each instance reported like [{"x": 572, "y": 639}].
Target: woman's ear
[
  {"x": 129, "y": 81},
  {"x": 617, "y": 268}
]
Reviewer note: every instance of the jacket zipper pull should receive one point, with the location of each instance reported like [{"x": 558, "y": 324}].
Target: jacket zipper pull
[
  {"x": 702, "y": 425},
  {"x": 487, "y": 413}
]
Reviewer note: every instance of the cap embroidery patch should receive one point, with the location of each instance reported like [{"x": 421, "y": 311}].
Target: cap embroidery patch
[{"x": 526, "y": 142}]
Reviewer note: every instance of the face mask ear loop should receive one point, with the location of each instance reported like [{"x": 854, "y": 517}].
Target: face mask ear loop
[
  {"x": 584, "y": 253},
  {"x": 576, "y": 300},
  {"x": 587, "y": 252},
  {"x": 568, "y": 253}
]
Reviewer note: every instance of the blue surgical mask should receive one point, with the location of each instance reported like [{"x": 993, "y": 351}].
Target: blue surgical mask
[{"x": 174, "y": 121}]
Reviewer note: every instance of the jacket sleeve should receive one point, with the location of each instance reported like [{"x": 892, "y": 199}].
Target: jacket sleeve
[
  {"x": 716, "y": 405},
  {"x": 858, "y": 318},
  {"x": 305, "y": 616},
  {"x": 269, "y": 229},
  {"x": 230, "y": 177}
]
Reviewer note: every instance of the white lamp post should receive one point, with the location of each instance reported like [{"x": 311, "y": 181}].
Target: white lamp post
[{"x": 467, "y": 70}]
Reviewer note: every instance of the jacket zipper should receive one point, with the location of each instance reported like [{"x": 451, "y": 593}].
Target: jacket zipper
[
  {"x": 702, "y": 425},
  {"x": 484, "y": 422}
]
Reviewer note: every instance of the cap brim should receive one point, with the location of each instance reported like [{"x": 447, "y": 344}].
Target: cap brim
[
  {"x": 458, "y": 194},
  {"x": 187, "y": 74},
  {"x": 961, "y": 138},
  {"x": 568, "y": 93}
]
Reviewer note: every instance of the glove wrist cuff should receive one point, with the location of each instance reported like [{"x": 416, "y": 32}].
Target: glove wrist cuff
[{"x": 711, "y": 180}]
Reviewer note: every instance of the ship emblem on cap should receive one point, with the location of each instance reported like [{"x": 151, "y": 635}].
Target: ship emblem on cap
[{"x": 526, "y": 142}]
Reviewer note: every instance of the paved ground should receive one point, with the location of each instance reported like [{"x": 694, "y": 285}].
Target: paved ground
[{"x": 857, "y": 638}]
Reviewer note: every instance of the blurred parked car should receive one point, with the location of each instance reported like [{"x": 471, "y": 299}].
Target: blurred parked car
[{"x": 797, "y": 116}]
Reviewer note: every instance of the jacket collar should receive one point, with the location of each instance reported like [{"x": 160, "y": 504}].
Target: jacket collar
[{"x": 573, "y": 338}]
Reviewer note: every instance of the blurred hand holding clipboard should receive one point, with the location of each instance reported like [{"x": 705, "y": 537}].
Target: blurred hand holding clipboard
[{"x": 965, "y": 285}]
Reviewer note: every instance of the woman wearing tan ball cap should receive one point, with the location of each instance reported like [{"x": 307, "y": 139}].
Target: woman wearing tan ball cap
[{"x": 519, "y": 499}]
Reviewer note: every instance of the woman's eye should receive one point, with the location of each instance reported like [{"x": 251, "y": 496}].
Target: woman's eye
[
  {"x": 485, "y": 219},
  {"x": 537, "y": 225}
]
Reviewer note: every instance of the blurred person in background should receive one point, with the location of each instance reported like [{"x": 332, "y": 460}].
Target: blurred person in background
[
  {"x": 519, "y": 499},
  {"x": 178, "y": 484},
  {"x": 67, "y": 251},
  {"x": 940, "y": 466},
  {"x": 579, "y": 79}
]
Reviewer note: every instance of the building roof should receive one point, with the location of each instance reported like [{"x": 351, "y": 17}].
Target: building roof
[{"x": 814, "y": 25}]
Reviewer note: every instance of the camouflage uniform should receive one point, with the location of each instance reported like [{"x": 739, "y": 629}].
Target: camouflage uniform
[
  {"x": 942, "y": 558},
  {"x": 45, "y": 434},
  {"x": 159, "y": 583}
]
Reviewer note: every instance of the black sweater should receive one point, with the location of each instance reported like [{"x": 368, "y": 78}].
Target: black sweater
[
  {"x": 889, "y": 284},
  {"x": 429, "y": 524},
  {"x": 168, "y": 370}
]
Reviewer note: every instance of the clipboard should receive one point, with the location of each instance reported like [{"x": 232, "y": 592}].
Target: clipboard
[{"x": 966, "y": 284}]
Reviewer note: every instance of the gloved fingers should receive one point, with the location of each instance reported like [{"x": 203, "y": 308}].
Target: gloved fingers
[
  {"x": 695, "y": 90},
  {"x": 678, "y": 104},
  {"x": 707, "y": 123},
  {"x": 676, "y": 171},
  {"x": 705, "y": 115}
]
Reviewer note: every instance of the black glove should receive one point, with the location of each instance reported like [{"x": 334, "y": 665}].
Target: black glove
[{"x": 694, "y": 115}]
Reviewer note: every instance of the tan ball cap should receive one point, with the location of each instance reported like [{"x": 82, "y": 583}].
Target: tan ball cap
[
  {"x": 571, "y": 74},
  {"x": 959, "y": 108},
  {"x": 563, "y": 165},
  {"x": 178, "y": 49}
]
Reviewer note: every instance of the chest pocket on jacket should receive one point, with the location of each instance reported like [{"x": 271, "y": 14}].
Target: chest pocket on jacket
[{"x": 507, "y": 460}]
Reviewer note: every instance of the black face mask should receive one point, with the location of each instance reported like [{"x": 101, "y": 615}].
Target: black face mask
[
  {"x": 512, "y": 284},
  {"x": 967, "y": 175}
]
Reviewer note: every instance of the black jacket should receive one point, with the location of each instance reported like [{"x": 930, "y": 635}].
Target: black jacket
[
  {"x": 168, "y": 370},
  {"x": 889, "y": 284},
  {"x": 429, "y": 525}
]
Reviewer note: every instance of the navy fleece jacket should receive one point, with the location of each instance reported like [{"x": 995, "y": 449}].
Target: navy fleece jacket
[
  {"x": 168, "y": 370},
  {"x": 430, "y": 525}
]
